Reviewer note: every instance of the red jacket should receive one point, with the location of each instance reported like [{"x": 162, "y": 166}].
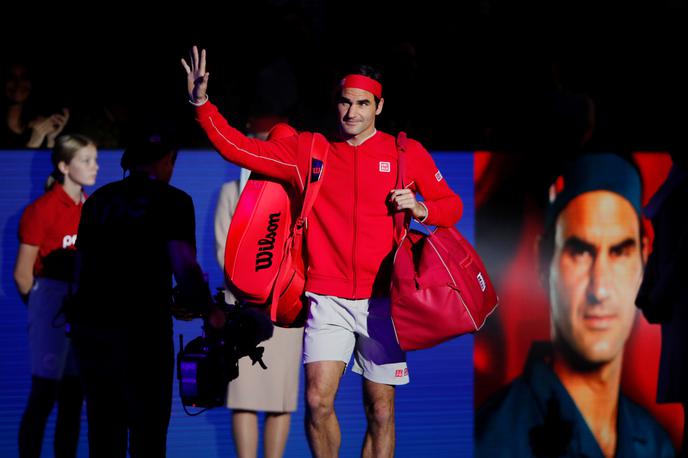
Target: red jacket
[{"x": 350, "y": 228}]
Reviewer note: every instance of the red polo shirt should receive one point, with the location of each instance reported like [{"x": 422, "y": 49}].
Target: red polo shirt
[{"x": 50, "y": 223}]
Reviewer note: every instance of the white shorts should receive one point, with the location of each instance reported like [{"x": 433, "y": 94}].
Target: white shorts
[{"x": 337, "y": 326}]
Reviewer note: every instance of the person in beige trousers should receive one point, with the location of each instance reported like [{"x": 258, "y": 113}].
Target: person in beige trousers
[{"x": 273, "y": 391}]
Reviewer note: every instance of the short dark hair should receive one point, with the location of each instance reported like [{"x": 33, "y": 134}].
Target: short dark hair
[
  {"x": 617, "y": 173},
  {"x": 365, "y": 70},
  {"x": 595, "y": 172},
  {"x": 146, "y": 151}
]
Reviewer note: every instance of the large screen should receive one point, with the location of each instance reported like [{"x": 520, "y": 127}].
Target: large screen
[{"x": 512, "y": 198}]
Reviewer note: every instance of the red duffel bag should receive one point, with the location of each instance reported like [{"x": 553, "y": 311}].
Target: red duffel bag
[
  {"x": 264, "y": 259},
  {"x": 440, "y": 288}
]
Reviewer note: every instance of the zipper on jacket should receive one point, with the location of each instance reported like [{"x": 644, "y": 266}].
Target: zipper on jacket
[{"x": 353, "y": 256}]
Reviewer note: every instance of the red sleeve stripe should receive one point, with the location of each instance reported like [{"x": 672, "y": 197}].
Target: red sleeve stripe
[{"x": 235, "y": 146}]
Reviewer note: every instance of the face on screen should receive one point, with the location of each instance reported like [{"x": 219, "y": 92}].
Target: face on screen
[{"x": 595, "y": 274}]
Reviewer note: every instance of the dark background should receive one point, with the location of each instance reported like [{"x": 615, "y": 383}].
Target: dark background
[{"x": 459, "y": 75}]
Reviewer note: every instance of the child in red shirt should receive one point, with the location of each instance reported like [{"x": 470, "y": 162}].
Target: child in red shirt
[{"x": 43, "y": 272}]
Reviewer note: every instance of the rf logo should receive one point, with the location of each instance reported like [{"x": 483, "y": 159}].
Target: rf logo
[{"x": 316, "y": 170}]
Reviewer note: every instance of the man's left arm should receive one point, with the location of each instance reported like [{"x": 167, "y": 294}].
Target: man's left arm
[{"x": 444, "y": 206}]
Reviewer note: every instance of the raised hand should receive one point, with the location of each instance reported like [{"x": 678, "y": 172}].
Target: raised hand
[
  {"x": 39, "y": 128},
  {"x": 59, "y": 121},
  {"x": 196, "y": 76}
]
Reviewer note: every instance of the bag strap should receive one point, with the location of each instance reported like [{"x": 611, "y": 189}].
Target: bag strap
[
  {"x": 316, "y": 162},
  {"x": 400, "y": 221}
]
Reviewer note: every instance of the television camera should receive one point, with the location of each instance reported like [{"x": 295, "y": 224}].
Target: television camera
[{"x": 206, "y": 364}]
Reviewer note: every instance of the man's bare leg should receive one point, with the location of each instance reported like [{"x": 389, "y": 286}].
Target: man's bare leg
[
  {"x": 378, "y": 400},
  {"x": 322, "y": 427}
]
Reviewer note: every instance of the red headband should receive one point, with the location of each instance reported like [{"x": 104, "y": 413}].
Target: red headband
[{"x": 363, "y": 82}]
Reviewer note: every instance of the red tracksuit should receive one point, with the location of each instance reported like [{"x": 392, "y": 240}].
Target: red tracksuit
[{"x": 350, "y": 230}]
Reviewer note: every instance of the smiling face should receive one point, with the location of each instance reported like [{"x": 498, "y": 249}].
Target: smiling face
[
  {"x": 594, "y": 275},
  {"x": 356, "y": 110}
]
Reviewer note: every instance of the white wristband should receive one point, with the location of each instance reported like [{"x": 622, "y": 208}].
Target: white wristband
[{"x": 198, "y": 104}]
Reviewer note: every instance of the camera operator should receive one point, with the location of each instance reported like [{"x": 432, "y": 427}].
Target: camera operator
[{"x": 134, "y": 234}]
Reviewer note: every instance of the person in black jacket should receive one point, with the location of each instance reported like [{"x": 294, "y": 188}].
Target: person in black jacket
[
  {"x": 133, "y": 236},
  {"x": 663, "y": 295}
]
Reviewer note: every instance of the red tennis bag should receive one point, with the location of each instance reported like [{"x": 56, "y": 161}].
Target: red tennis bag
[
  {"x": 264, "y": 258},
  {"x": 440, "y": 288}
]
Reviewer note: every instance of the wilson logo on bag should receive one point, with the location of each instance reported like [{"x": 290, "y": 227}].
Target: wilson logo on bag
[
  {"x": 266, "y": 245},
  {"x": 256, "y": 238}
]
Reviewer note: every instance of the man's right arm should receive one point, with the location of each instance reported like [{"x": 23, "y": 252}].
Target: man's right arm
[
  {"x": 276, "y": 159},
  {"x": 194, "y": 292},
  {"x": 188, "y": 273},
  {"x": 193, "y": 289}
]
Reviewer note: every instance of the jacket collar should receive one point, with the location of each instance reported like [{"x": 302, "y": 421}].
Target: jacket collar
[{"x": 65, "y": 198}]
